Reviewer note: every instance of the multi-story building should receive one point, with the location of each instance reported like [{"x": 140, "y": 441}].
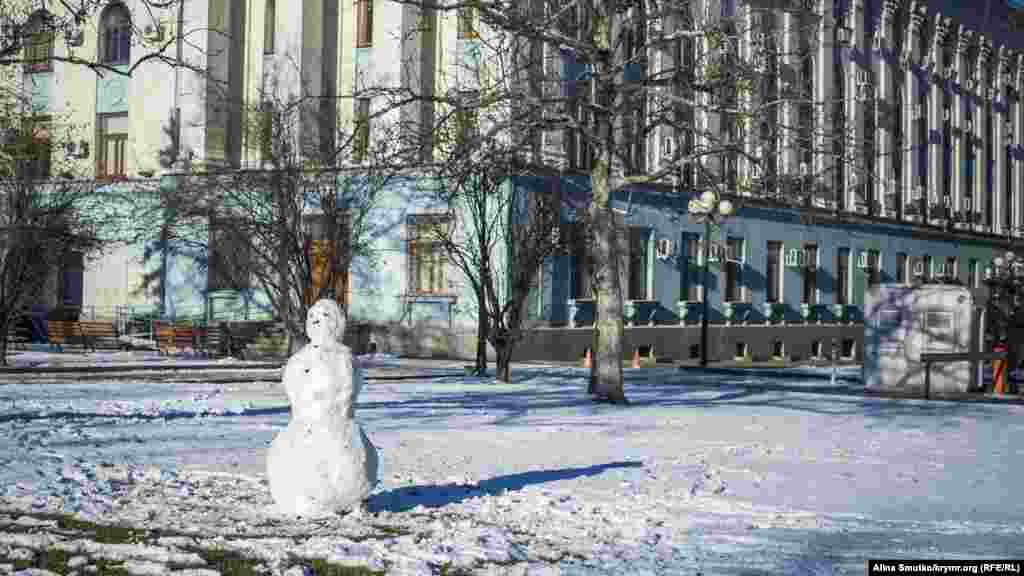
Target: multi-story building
[{"x": 927, "y": 181}]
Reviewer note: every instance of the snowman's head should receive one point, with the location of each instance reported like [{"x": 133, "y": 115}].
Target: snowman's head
[{"x": 325, "y": 322}]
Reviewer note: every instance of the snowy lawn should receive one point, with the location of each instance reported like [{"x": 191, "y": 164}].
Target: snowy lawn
[{"x": 704, "y": 473}]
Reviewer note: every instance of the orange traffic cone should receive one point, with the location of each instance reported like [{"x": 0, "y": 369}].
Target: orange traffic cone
[
  {"x": 586, "y": 359},
  {"x": 636, "y": 358}
]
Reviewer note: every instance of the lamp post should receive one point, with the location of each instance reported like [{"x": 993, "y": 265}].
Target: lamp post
[{"x": 709, "y": 209}]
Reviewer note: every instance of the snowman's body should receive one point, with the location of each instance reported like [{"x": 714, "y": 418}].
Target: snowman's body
[{"x": 322, "y": 462}]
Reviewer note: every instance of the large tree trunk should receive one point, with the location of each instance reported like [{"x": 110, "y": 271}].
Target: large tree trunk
[
  {"x": 482, "y": 327},
  {"x": 503, "y": 351},
  {"x": 3, "y": 344},
  {"x": 606, "y": 367}
]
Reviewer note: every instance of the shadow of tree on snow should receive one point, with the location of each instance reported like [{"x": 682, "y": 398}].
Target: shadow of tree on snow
[{"x": 439, "y": 495}]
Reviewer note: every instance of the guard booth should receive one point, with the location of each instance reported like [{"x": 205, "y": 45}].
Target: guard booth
[{"x": 901, "y": 322}]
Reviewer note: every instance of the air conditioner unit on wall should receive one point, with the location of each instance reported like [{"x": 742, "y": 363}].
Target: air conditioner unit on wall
[
  {"x": 918, "y": 268},
  {"x": 664, "y": 248},
  {"x": 808, "y": 259},
  {"x": 793, "y": 258}
]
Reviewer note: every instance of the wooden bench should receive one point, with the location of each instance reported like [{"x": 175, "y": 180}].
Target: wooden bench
[
  {"x": 101, "y": 334},
  {"x": 174, "y": 337},
  {"x": 64, "y": 332}
]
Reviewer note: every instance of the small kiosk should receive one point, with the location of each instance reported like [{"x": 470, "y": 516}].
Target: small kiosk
[{"x": 902, "y": 322}]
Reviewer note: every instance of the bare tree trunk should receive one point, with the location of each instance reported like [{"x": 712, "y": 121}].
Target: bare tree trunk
[
  {"x": 482, "y": 327},
  {"x": 503, "y": 352},
  {"x": 606, "y": 367},
  {"x": 3, "y": 343}
]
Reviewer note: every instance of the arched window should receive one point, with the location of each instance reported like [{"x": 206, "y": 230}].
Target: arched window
[
  {"x": 39, "y": 43},
  {"x": 115, "y": 35}
]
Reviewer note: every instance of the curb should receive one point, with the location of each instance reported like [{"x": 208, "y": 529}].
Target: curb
[{"x": 770, "y": 372}]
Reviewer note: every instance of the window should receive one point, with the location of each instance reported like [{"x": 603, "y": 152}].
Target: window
[
  {"x": 974, "y": 279},
  {"x": 427, "y": 259},
  {"x": 361, "y": 138},
  {"x": 582, "y": 271},
  {"x": 230, "y": 256},
  {"x": 951, "y": 267},
  {"x": 364, "y": 23},
  {"x": 36, "y": 149},
  {"x": 329, "y": 255},
  {"x": 927, "y": 267},
  {"x": 809, "y": 273},
  {"x": 115, "y": 35},
  {"x": 691, "y": 267},
  {"x": 874, "y": 270},
  {"x": 111, "y": 144},
  {"x": 734, "y": 270},
  {"x": 39, "y": 43},
  {"x": 773, "y": 272},
  {"x": 639, "y": 265},
  {"x": 269, "y": 25},
  {"x": 901, "y": 267},
  {"x": 842, "y": 275},
  {"x": 467, "y": 119},
  {"x": 467, "y": 23}
]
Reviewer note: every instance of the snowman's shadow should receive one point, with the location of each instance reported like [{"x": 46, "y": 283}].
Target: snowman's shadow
[{"x": 438, "y": 495}]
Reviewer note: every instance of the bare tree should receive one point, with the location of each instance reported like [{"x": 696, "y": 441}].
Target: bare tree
[
  {"x": 498, "y": 231},
  {"x": 696, "y": 96},
  {"x": 44, "y": 222},
  {"x": 284, "y": 234}
]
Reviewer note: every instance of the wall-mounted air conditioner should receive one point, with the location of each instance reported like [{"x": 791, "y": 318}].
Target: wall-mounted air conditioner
[
  {"x": 918, "y": 268},
  {"x": 793, "y": 258},
  {"x": 664, "y": 248}
]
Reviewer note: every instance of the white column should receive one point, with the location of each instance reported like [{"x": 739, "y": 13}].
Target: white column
[
  {"x": 752, "y": 51},
  {"x": 710, "y": 134},
  {"x": 910, "y": 156},
  {"x": 884, "y": 119},
  {"x": 981, "y": 134},
  {"x": 824, "y": 67},
  {"x": 789, "y": 83},
  {"x": 961, "y": 137},
  {"x": 936, "y": 107},
  {"x": 857, "y": 67},
  {"x": 1000, "y": 109},
  {"x": 1017, "y": 188}
]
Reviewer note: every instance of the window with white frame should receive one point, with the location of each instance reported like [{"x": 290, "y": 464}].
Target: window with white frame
[
  {"x": 733, "y": 270},
  {"x": 639, "y": 264},
  {"x": 427, "y": 258}
]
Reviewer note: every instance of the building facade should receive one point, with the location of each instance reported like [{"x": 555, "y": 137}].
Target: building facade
[{"x": 926, "y": 182}]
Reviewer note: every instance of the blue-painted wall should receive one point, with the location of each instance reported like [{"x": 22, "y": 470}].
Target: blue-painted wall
[{"x": 664, "y": 214}]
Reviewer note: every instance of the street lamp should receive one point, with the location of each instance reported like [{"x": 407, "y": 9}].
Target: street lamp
[
  {"x": 709, "y": 209},
  {"x": 1005, "y": 281}
]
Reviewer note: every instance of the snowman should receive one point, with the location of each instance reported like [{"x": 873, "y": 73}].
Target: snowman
[{"x": 322, "y": 463}]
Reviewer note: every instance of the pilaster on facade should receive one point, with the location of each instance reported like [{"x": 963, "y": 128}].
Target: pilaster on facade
[
  {"x": 789, "y": 83},
  {"x": 1000, "y": 116},
  {"x": 857, "y": 90},
  {"x": 981, "y": 80},
  {"x": 961, "y": 134},
  {"x": 1016, "y": 156},
  {"x": 823, "y": 98},
  {"x": 910, "y": 156},
  {"x": 752, "y": 51},
  {"x": 884, "y": 117},
  {"x": 936, "y": 141}
]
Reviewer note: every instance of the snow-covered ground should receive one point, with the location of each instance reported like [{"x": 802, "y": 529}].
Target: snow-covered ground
[{"x": 704, "y": 473}]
